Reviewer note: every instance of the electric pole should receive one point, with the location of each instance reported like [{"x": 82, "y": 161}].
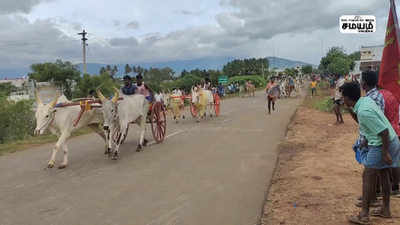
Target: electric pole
[{"x": 84, "y": 39}]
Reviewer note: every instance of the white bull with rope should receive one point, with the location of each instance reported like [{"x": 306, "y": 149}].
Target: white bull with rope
[
  {"x": 60, "y": 121},
  {"x": 203, "y": 101},
  {"x": 119, "y": 114}
]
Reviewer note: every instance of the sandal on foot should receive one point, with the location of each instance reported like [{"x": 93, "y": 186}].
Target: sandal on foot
[
  {"x": 359, "y": 220},
  {"x": 378, "y": 213},
  {"x": 372, "y": 204}
]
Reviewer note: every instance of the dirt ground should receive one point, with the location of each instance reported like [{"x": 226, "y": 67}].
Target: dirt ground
[{"x": 317, "y": 179}]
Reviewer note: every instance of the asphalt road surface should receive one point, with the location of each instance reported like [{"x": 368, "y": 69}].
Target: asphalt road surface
[{"x": 214, "y": 172}]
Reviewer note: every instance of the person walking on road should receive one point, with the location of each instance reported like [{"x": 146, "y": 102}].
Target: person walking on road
[{"x": 272, "y": 91}]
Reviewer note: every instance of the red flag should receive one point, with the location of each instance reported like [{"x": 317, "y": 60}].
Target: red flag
[{"x": 389, "y": 73}]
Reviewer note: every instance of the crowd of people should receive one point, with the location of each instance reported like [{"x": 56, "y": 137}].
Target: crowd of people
[
  {"x": 233, "y": 88},
  {"x": 377, "y": 147},
  {"x": 282, "y": 86}
]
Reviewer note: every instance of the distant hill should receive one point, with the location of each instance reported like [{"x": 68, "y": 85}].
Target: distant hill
[
  {"x": 177, "y": 66},
  {"x": 281, "y": 63}
]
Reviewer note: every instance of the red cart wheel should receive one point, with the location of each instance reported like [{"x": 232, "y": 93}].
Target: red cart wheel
[
  {"x": 193, "y": 110},
  {"x": 158, "y": 122},
  {"x": 216, "y": 104}
]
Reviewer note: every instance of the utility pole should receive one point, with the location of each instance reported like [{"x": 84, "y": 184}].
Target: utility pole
[{"x": 84, "y": 39}]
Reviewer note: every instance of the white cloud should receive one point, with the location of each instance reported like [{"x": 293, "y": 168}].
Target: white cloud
[
  {"x": 133, "y": 25},
  {"x": 12, "y": 6},
  {"x": 176, "y": 30}
]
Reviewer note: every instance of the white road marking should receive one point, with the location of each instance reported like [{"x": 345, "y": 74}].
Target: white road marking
[
  {"x": 168, "y": 136},
  {"x": 229, "y": 112},
  {"x": 227, "y": 120}
]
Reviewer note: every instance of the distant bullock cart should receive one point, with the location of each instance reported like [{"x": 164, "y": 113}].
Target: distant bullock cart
[{"x": 202, "y": 101}]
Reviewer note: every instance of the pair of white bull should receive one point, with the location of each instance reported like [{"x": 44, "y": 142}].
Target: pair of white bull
[
  {"x": 114, "y": 115},
  {"x": 203, "y": 101}
]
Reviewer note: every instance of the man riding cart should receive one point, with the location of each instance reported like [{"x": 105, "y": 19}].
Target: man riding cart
[{"x": 138, "y": 88}]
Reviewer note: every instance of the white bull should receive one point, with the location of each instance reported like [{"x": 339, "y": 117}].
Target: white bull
[
  {"x": 60, "y": 122},
  {"x": 203, "y": 100},
  {"x": 177, "y": 105},
  {"x": 283, "y": 88},
  {"x": 119, "y": 114}
]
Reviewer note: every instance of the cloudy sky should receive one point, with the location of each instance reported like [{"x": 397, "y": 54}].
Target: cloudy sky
[{"x": 134, "y": 31}]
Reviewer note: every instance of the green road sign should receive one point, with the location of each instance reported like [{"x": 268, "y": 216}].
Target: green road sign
[{"x": 223, "y": 79}]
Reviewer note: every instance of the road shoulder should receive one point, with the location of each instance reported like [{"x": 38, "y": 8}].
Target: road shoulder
[{"x": 317, "y": 179}]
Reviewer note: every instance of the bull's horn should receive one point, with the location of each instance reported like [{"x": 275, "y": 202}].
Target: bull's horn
[
  {"x": 101, "y": 96},
  {"x": 38, "y": 101},
  {"x": 116, "y": 95},
  {"x": 54, "y": 102}
]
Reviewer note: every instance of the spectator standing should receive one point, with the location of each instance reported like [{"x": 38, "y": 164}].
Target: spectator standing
[
  {"x": 338, "y": 101},
  {"x": 383, "y": 150}
]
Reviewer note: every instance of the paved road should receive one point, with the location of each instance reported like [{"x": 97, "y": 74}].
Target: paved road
[{"x": 214, "y": 172}]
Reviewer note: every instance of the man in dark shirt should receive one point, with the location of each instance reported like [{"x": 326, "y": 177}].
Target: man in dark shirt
[{"x": 128, "y": 88}]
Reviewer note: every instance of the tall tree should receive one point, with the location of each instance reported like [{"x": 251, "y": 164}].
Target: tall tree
[
  {"x": 108, "y": 68},
  {"x": 114, "y": 71},
  {"x": 184, "y": 73},
  {"x": 128, "y": 69},
  {"x": 88, "y": 83},
  {"x": 306, "y": 69},
  {"x": 62, "y": 74},
  {"x": 337, "y": 61},
  {"x": 102, "y": 70}
]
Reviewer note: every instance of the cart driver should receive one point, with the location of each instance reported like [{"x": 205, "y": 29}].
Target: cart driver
[
  {"x": 128, "y": 88},
  {"x": 143, "y": 89}
]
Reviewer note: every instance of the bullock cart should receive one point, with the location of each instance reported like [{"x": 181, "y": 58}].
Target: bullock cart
[
  {"x": 215, "y": 105},
  {"x": 156, "y": 116}
]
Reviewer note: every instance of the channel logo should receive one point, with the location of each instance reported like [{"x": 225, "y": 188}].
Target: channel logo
[{"x": 353, "y": 24}]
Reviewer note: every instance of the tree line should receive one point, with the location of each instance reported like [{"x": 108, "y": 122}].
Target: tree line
[
  {"x": 243, "y": 67},
  {"x": 64, "y": 75}
]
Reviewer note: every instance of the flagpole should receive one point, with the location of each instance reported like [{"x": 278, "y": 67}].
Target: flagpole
[{"x": 396, "y": 21}]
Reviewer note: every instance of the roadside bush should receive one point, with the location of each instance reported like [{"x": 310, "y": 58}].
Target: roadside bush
[
  {"x": 17, "y": 120},
  {"x": 324, "y": 105},
  {"x": 258, "y": 81}
]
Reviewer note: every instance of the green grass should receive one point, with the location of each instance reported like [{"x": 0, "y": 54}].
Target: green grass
[
  {"x": 325, "y": 104},
  {"x": 322, "y": 101},
  {"x": 36, "y": 141}
]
